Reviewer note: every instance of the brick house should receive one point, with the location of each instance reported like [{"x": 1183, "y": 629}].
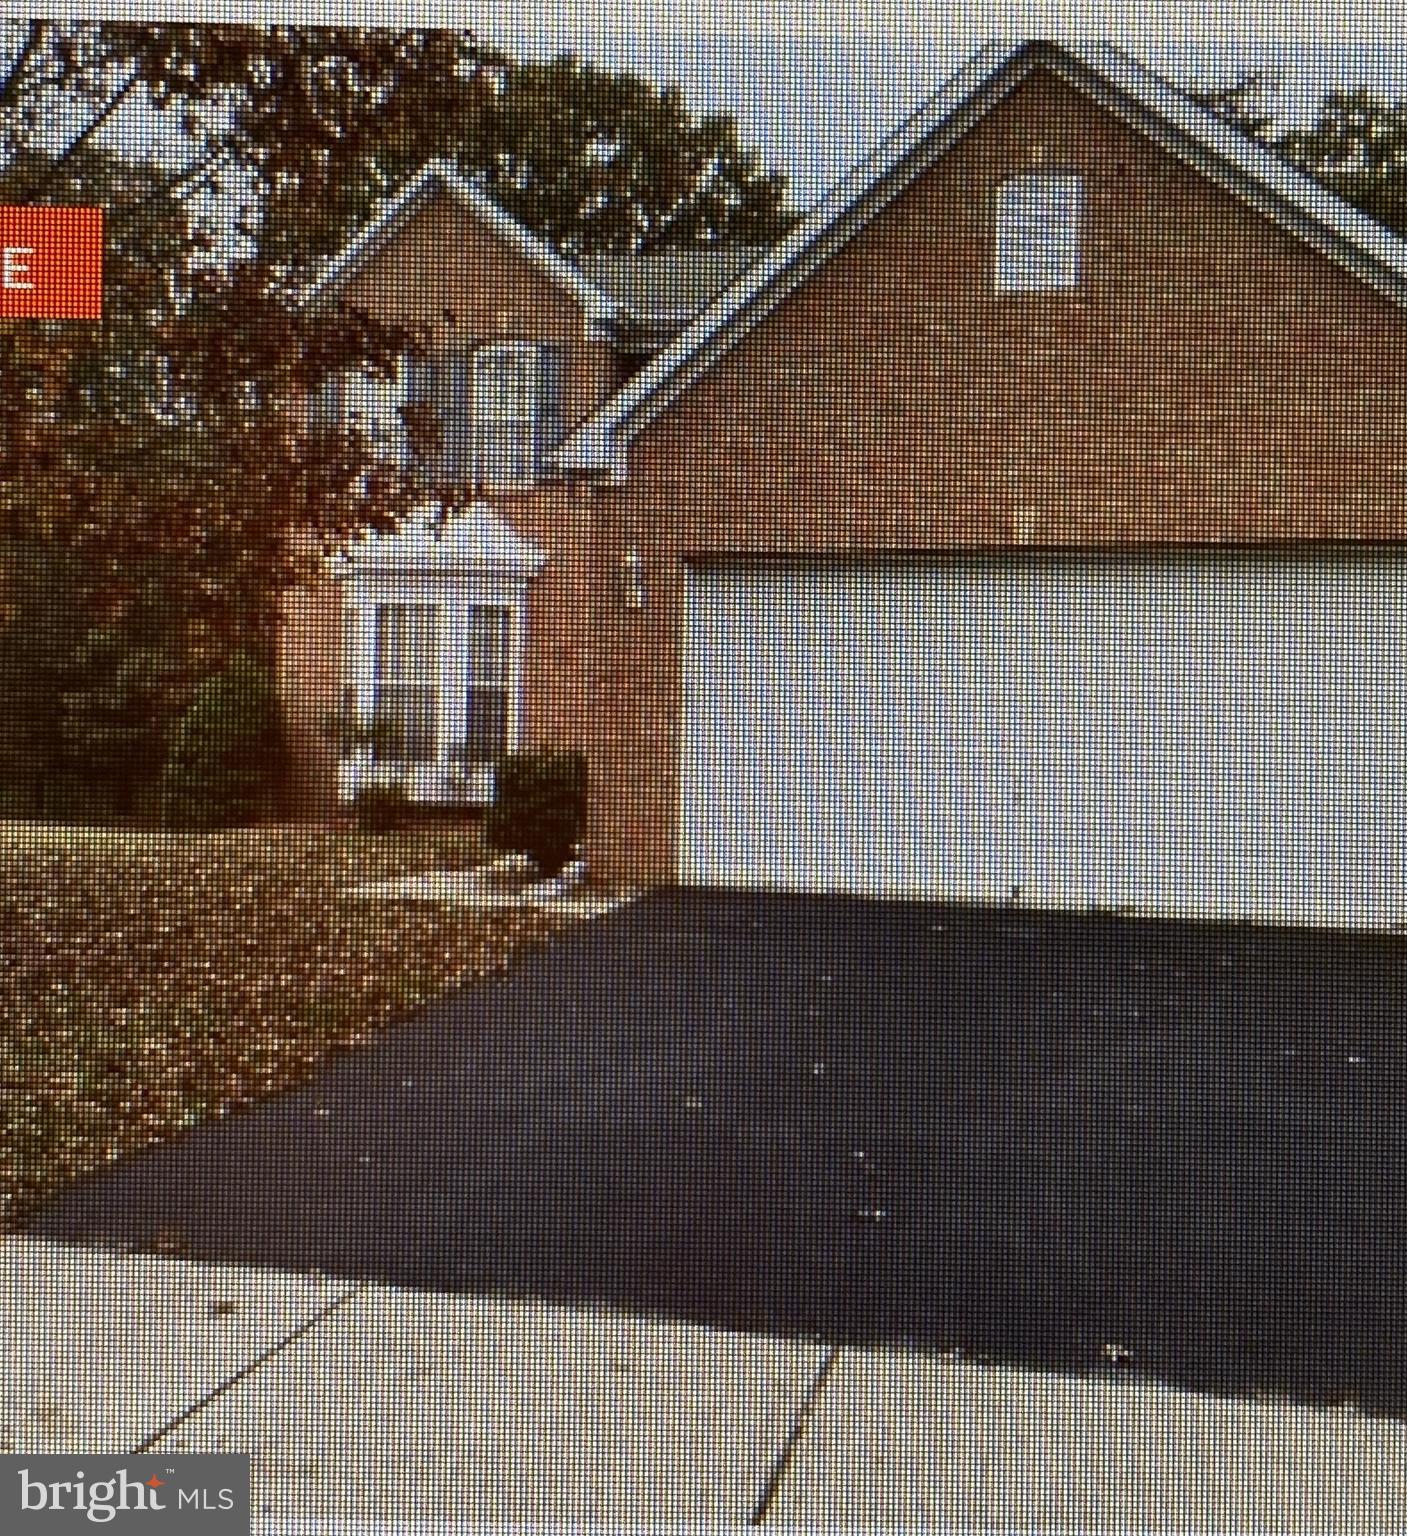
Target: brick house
[{"x": 1026, "y": 526}]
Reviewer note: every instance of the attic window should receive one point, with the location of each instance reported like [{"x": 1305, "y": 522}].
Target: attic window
[{"x": 1038, "y": 219}]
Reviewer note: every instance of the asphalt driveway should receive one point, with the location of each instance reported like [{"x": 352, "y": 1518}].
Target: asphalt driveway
[{"x": 1035, "y": 1138}]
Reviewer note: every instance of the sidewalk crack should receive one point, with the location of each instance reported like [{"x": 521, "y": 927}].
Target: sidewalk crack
[
  {"x": 247, "y": 1370},
  {"x": 783, "y": 1461}
]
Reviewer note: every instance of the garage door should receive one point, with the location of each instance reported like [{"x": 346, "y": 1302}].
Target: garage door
[{"x": 1201, "y": 734}]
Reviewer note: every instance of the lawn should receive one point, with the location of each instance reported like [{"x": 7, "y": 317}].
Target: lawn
[{"x": 152, "y": 980}]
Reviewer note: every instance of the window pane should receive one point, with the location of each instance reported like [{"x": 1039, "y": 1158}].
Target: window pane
[
  {"x": 488, "y": 646},
  {"x": 373, "y": 405},
  {"x": 1037, "y": 234},
  {"x": 405, "y": 722},
  {"x": 407, "y": 641},
  {"x": 507, "y": 404},
  {"x": 486, "y": 724},
  {"x": 505, "y": 383},
  {"x": 505, "y": 452}
]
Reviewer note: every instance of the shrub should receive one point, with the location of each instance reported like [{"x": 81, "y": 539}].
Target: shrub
[
  {"x": 380, "y": 807},
  {"x": 227, "y": 758},
  {"x": 539, "y": 807}
]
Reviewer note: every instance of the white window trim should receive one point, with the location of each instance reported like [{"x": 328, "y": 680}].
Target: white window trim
[
  {"x": 440, "y": 781},
  {"x": 415, "y": 676},
  {"x": 374, "y": 404},
  {"x": 1058, "y": 265},
  {"x": 480, "y": 358}
]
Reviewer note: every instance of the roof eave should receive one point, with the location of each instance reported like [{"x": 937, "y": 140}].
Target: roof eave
[
  {"x": 833, "y": 220},
  {"x": 597, "y": 305},
  {"x": 1250, "y": 172},
  {"x": 1124, "y": 86}
]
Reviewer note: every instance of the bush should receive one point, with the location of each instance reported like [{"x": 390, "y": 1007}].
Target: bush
[
  {"x": 539, "y": 808},
  {"x": 380, "y": 807},
  {"x": 227, "y": 758}
]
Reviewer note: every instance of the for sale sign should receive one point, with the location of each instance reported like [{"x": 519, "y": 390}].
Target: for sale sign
[{"x": 51, "y": 263}]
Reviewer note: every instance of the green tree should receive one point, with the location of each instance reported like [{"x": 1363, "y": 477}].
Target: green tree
[
  {"x": 227, "y": 751},
  {"x": 591, "y": 160},
  {"x": 45, "y": 619},
  {"x": 126, "y": 677},
  {"x": 1356, "y": 145},
  {"x": 302, "y": 129},
  {"x": 166, "y": 451}
]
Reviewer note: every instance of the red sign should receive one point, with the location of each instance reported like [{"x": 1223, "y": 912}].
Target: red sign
[{"x": 51, "y": 263}]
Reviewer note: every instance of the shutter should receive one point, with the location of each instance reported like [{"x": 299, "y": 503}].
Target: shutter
[
  {"x": 551, "y": 402},
  {"x": 418, "y": 386},
  {"x": 453, "y": 404}
]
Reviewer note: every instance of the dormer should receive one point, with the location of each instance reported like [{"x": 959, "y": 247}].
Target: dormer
[{"x": 519, "y": 342}]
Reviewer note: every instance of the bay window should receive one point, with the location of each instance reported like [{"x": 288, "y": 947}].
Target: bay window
[
  {"x": 434, "y": 685},
  {"x": 406, "y": 701},
  {"x": 434, "y": 618}
]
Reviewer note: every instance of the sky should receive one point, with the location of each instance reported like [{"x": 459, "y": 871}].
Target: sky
[
  {"x": 813, "y": 104},
  {"x": 815, "y": 85}
]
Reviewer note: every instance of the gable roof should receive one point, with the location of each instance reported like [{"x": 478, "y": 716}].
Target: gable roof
[
  {"x": 474, "y": 541},
  {"x": 1115, "y": 81},
  {"x": 443, "y": 176}
]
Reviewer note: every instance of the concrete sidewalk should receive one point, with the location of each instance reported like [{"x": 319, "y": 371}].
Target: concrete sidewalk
[
  {"x": 363, "y": 1406},
  {"x": 506, "y": 882}
]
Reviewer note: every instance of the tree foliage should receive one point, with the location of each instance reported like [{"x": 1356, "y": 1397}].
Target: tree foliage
[
  {"x": 166, "y": 430},
  {"x": 1356, "y": 145},
  {"x": 44, "y": 621},
  {"x": 160, "y": 479},
  {"x": 599, "y": 161},
  {"x": 226, "y": 753},
  {"x": 164, "y": 452},
  {"x": 1247, "y": 102},
  {"x": 171, "y": 431}
]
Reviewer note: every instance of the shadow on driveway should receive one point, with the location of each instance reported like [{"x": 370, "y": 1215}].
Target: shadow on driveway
[{"x": 1029, "y": 1136}]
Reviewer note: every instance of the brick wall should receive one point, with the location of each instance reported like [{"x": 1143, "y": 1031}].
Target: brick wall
[
  {"x": 309, "y": 674},
  {"x": 445, "y": 273},
  {"x": 1212, "y": 380}
]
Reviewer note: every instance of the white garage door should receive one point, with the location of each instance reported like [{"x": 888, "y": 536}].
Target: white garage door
[{"x": 1202, "y": 734}]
